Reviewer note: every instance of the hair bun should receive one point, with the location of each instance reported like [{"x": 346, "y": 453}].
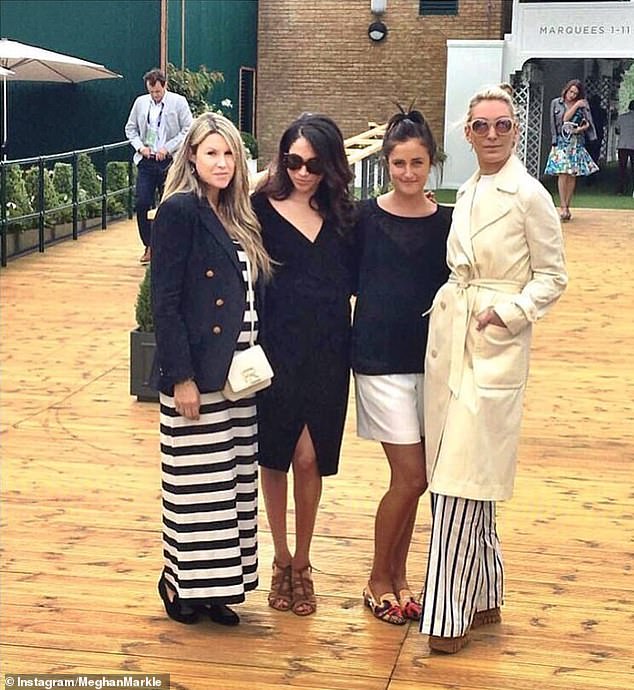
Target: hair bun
[
  {"x": 405, "y": 125},
  {"x": 410, "y": 115},
  {"x": 415, "y": 116}
]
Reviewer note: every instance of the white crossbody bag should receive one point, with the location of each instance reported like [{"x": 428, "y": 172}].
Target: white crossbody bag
[{"x": 250, "y": 370}]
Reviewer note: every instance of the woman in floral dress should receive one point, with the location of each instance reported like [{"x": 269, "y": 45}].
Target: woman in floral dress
[{"x": 570, "y": 124}]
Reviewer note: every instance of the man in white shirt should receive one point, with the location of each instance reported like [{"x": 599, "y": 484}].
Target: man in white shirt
[
  {"x": 625, "y": 148},
  {"x": 156, "y": 127}
]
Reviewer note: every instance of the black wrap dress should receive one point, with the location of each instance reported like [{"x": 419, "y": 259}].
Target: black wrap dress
[{"x": 305, "y": 332}]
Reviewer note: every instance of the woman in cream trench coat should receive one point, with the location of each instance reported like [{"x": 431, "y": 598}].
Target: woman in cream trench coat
[{"x": 505, "y": 253}]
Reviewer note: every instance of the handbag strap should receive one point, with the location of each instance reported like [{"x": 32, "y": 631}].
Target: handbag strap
[{"x": 250, "y": 301}]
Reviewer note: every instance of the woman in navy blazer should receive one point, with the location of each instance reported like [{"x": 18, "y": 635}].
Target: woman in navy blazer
[
  {"x": 197, "y": 294},
  {"x": 207, "y": 254}
]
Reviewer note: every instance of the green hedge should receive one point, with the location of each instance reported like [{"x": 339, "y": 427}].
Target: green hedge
[
  {"x": 22, "y": 192},
  {"x": 117, "y": 179},
  {"x": 18, "y": 201}
]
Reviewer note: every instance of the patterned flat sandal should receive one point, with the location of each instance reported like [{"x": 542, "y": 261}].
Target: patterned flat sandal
[
  {"x": 410, "y": 606},
  {"x": 386, "y": 607},
  {"x": 280, "y": 595},
  {"x": 486, "y": 617},
  {"x": 304, "y": 601}
]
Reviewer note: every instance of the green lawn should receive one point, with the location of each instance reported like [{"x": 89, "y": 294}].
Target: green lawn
[{"x": 596, "y": 191}]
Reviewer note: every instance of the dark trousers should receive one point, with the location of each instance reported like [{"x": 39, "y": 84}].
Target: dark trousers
[
  {"x": 625, "y": 155},
  {"x": 150, "y": 180}
]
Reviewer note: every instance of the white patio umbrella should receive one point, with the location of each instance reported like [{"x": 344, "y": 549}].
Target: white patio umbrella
[{"x": 29, "y": 63}]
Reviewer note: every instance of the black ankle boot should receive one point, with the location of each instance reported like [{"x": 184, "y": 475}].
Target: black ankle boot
[
  {"x": 175, "y": 609},
  {"x": 222, "y": 614}
]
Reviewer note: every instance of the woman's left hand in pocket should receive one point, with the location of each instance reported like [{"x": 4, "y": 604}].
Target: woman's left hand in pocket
[{"x": 488, "y": 316}]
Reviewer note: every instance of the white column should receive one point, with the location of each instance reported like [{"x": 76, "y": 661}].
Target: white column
[{"x": 470, "y": 66}]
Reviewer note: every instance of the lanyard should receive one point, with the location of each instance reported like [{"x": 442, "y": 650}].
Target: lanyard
[{"x": 158, "y": 122}]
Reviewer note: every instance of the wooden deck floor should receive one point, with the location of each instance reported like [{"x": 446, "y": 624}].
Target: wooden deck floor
[{"x": 81, "y": 514}]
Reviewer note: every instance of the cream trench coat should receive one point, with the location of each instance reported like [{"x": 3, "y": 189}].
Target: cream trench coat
[{"x": 506, "y": 251}]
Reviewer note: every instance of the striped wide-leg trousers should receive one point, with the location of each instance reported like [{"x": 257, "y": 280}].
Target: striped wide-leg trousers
[{"x": 465, "y": 571}]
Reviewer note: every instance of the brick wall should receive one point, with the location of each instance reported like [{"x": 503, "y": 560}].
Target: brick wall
[{"x": 315, "y": 55}]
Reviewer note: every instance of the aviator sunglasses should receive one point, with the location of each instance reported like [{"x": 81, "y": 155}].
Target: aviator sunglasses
[
  {"x": 480, "y": 127},
  {"x": 293, "y": 161}
]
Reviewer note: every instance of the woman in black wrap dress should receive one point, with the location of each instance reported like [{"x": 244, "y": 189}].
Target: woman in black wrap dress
[{"x": 304, "y": 209}]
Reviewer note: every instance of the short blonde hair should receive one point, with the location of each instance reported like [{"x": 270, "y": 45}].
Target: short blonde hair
[{"x": 491, "y": 93}]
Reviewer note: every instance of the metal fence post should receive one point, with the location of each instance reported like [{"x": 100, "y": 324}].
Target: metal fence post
[
  {"x": 3, "y": 212},
  {"x": 104, "y": 188},
  {"x": 41, "y": 202},
  {"x": 75, "y": 165}
]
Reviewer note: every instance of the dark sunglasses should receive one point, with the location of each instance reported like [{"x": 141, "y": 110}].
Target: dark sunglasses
[
  {"x": 480, "y": 127},
  {"x": 293, "y": 161}
]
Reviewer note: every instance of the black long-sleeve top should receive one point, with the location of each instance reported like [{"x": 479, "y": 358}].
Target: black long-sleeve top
[{"x": 402, "y": 263}]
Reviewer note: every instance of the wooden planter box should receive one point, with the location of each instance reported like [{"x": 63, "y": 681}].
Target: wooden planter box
[
  {"x": 22, "y": 241},
  {"x": 142, "y": 347}
]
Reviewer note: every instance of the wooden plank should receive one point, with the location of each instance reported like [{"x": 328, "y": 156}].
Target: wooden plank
[
  {"x": 193, "y": 676},
  {"x": 80, "y": 489}
]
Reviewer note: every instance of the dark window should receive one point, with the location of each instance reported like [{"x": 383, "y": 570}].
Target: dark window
[
  {"x": 438, "y": 7},
  {"x": 246, "y": 106}
]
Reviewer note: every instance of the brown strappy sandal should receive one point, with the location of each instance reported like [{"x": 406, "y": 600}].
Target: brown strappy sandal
[
  {"x": 280, "y": 595},
  {"x": 304, "y": 601}
]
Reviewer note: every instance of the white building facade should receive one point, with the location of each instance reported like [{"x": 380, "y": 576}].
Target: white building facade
[{"x": 549, "y": 44}]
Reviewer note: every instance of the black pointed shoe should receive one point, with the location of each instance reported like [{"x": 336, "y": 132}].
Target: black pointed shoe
[{"x": 176, "y": 609}]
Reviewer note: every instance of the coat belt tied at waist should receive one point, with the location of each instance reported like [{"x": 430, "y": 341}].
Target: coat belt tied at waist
[{"x": 461, "y": 316}]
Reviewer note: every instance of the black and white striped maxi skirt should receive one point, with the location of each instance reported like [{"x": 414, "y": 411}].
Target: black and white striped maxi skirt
[{"x": 209, "y": 495}]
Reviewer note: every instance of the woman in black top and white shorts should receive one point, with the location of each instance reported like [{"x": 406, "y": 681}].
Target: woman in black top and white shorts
[{"x": 401, "y": 241}]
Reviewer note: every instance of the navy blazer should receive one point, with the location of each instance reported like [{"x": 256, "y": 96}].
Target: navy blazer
[{"x": 198, "y": 295}]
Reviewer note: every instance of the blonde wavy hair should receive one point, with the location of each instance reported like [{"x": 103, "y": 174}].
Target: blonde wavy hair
[{"x": 234, "y": 205}]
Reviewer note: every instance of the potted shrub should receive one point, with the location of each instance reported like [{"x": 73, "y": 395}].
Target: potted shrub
[
  {"x": 117, "y": 181},
  {"x": 18, "y": 203},
  {"x": 250, "y": 144},
  {"x": 143, "y": 345},
  {"x": 89, "y": 182},
  {"x": 195, "y": 86},
  {"x": 251, "y": 147}
]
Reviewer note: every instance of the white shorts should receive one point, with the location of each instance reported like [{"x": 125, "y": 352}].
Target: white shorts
[{"x": 390, "y": 407}]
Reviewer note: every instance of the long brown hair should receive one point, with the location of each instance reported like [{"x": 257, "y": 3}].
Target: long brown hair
[
  {"x": 333, "y": 199},
  {"x": 580, "y": 89}
]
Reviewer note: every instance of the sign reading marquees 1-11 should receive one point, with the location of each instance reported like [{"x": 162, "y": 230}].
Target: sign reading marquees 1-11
[{"x": 596, "y": 29}]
